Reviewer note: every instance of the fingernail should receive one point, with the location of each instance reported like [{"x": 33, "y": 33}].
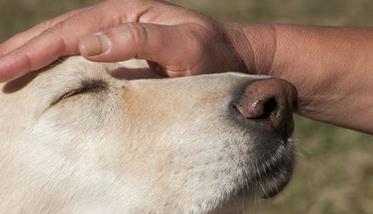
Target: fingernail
[{"x": 95, "y": 44}]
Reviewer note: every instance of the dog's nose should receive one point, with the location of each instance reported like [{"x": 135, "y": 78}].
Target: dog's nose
[{"x": 269, "y": 101}]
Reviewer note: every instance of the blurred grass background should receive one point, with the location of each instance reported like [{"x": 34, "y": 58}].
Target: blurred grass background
[{"x": 335, "y": 166}]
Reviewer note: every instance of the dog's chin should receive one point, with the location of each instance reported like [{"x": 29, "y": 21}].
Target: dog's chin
[
  {"x": 274, "y": 175},
  {"x": 269, "y": 179},
  {"x": 272, "y": 186}
]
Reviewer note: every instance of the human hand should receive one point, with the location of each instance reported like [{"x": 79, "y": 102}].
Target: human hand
[{"x": 175, "y": 41}]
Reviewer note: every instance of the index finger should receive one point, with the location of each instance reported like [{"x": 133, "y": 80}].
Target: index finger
[
  {"x": 60, "y": 40},
  {"x": 23, "y": 37}
]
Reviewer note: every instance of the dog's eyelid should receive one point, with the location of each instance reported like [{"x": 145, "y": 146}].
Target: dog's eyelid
[
  {"x": 86, "y": 86},
  {"x": 94, "y": 85}
]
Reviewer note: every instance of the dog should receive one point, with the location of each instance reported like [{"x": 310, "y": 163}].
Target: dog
[{"x": 83, "y": 137}]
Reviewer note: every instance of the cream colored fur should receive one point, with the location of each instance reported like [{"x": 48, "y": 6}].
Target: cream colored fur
[{"x": 137, "y": 146}]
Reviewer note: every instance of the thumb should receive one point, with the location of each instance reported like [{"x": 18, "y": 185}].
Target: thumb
[{"x": 178, "y": 47}]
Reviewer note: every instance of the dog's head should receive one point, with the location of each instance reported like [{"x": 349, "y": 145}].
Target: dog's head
[{"x": 97, "y": 138}]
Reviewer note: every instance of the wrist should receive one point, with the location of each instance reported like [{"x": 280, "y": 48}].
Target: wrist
[{"x": 256, "y": 46}]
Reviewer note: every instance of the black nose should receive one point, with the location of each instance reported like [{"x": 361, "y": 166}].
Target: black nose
[{"x": 270, "y": 101}]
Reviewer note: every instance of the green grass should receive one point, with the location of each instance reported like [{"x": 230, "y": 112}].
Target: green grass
[{"x": 335, "y": 165}]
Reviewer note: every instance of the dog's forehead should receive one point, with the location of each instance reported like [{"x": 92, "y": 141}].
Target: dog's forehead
[
  {"x": 69, "y": 72},
  {"x": 79, "y": 67}
]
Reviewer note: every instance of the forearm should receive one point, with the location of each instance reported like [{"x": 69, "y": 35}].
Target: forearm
[{"x": 331, "y": 67}]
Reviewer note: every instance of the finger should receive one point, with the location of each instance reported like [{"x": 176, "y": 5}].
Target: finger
[
  {"x": 21, "y": 38},
  {"x": 62, "y": 39},
  {"x": 170, "y": 46},
  {"x": 21, "y": 61}
]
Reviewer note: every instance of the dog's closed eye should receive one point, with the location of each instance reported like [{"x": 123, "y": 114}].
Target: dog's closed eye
[{"x": 86, "y": 87}]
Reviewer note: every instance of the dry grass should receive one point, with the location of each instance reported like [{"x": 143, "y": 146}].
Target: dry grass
[{"x": 335, "y": 169}]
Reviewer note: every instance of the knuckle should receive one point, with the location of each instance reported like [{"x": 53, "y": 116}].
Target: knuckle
[
  {"x": 55, "y": 30},
  {"x": 57, "y": 27},
  {"x": 137, "y": 33},
  {"x": 45, "y": 24},
  {"x": 56, "y": 33},
  {"x": 197, "y": 44},
  {"x": 28, "y": 63}
]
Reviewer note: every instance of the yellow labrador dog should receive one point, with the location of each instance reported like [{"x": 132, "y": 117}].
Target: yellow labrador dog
[{"x": 83, "y": 137}]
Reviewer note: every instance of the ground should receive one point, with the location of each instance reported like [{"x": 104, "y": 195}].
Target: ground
[{"x": 335, "y": 169}]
